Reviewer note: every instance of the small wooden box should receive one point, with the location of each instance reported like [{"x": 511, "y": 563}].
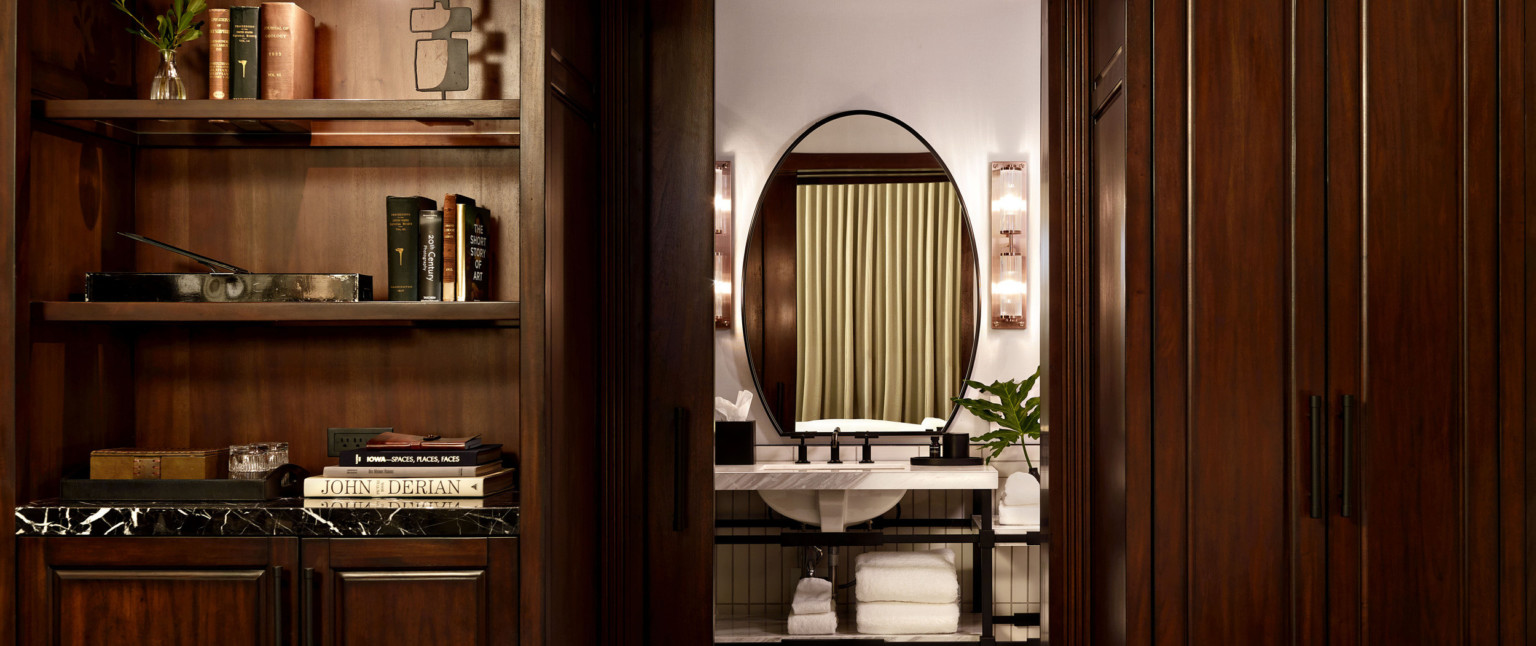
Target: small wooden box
[{"x": 159, "y": 464}]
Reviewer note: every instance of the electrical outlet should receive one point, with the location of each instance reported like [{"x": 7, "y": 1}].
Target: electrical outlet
[{"x": 346, "y": 439}]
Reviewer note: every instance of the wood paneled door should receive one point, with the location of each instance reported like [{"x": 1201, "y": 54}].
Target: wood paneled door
[
  {"x": 156, "y": 591},
  {"x": 406, "y": 591},
  {"x": 1317, "y": 251}
]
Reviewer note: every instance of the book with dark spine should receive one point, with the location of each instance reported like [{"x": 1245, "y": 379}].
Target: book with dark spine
[
  {"x": 418, "y": 458},
  {"x": 429, "y": 280},
  {"x": 453, "y": 221},
  {"x": 412, "y": 472},
  {"x": 287, "y": 52},
  {"x": 477, "y": 254},
  {"x": 218, "y": 54},
  {"x": 404, "y": 214},
  {"x": 473, "y": 487},
  {"x": 244, "y": 52}
]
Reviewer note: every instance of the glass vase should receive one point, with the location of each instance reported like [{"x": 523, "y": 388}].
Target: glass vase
[{"x": 167, "y": 84}]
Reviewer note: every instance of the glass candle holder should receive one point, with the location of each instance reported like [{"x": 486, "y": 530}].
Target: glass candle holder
[{"x": 248, "y": 461}]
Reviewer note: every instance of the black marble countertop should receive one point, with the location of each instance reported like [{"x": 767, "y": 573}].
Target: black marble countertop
[{"x": 311, "y": 517}]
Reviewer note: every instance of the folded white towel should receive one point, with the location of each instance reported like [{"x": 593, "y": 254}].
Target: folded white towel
[
  {"x": 821, "y": 623},
  {"x": 942, "y": 557},
  {"x": 813, "y": 596},
  {"x": 914, "y": 577},
  {"x": 908, "y": 618},
  {"x": 1018, "y": 514},
  {"x": 1021, "y": 489}
]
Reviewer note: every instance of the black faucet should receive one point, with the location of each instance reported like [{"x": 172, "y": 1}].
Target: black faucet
[
  {"x": 837, "y": 453},
  {"x": 869, "y": 453},
  {"x": 801, "y": 456}
]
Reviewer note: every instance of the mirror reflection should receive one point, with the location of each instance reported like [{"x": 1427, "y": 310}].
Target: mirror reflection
[{"x": 859, "y": 282}]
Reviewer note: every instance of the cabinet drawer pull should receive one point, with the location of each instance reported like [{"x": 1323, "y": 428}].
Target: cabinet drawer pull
[
  {"x": 679, "y": 469},
  {"x": 308, "y": 606},
  {"x": 277, "y": 605},
  {"x": 1319, "y": 461},
  {"x": 1346, "y": 506}
]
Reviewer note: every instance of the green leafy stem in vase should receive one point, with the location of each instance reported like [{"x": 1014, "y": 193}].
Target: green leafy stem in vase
[
  {"x": 173, "y": 29},
  {"x": 1018, "y": 418}
]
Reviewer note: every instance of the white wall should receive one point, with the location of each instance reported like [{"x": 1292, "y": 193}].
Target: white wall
[{"x": 965, "y": 74}]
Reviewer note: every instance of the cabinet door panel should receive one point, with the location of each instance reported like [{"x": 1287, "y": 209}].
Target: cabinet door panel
[
  {"x": 380, "y": 592},
  {"x": 383, "y": 608},
  {"x": 190, "y": 607},
  {"x": 156, "y": 591}
]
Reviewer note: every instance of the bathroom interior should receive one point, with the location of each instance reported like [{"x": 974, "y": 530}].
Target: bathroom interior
[
  {"x": 879, "y": 248},
  {"x": 1235, "y": 297}
]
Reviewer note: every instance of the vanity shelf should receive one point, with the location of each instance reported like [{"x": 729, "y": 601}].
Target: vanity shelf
[
  {"x": 749, "y": 629},
  {"x": 312, "y": 122},
  {"x": 367, "y": 313}
]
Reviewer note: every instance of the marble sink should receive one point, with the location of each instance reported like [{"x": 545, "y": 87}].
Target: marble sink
[{"x": 834, "y": 496}]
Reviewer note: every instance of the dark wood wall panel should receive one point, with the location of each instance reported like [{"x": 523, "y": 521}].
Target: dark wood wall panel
[
  {"x": 1107, "y": 464},
  {"x": 216, "y": 385},
  {"x": 313, "y": 210},
  {"x": 380, "y": 27},
  {"x": 1237, "y": 257},
  {"x": 12, "y": 142},
  {"x": 77, "y": 393}
]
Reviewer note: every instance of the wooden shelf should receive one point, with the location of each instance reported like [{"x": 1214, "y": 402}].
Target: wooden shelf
[
  {"x": 313, "y": 123},
  {"x": 381, "y": 312}
]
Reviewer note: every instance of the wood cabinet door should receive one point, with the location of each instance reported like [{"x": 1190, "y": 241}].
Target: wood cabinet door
[
  {"x": 155, "y": 591},
  {"x": 409, "y": 591},
  {"x": 1425, "y": 366}
]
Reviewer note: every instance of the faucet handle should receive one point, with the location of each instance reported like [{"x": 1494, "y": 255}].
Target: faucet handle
[{"x": 837, "y": 452}]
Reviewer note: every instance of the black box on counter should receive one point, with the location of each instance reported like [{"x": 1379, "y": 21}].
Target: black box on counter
[{"x": 735, "y": 443}]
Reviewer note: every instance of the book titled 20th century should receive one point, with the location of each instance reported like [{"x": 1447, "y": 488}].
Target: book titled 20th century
[{"x": 482, "y": 486}]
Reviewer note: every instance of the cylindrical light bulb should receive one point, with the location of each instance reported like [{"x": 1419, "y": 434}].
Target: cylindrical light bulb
[
  {"x": 1010, "y": 288},
  {"x": 722, "y": 200}
]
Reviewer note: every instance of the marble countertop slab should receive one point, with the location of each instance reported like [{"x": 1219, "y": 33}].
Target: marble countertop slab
[
  {"x": 788, "y": 476},
  {"x": 307, "y": 517}
]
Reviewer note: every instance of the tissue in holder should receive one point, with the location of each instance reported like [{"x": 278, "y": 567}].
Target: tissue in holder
[{"x": 738, "y": 411}]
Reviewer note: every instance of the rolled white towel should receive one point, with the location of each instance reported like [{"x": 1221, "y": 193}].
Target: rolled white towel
[
  {"x": 1018, "y": 514},
  {"x": 912, "y": 577},
  {"x": 813, "y": 596},
  {"x": 907, "y": 618},
  {"x": 821, "y": 623},
  {"x": 1021, "y": 489}
]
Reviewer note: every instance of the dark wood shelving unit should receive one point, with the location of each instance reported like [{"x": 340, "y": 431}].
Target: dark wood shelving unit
[
  {"x": 460, "y": 123},
  {"x": 375, "y": 312}
]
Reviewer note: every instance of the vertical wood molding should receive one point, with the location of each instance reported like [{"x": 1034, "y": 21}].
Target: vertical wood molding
[
  {"x": 1067, "y": 414},
  {"x": 534, "y": 574},
  {"x": 12, "y": 152},
  {"x": 622, "y": 87}
]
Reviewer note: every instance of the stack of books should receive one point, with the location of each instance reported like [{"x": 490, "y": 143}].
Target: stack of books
[
  {"x": 397, "y": 465},
  {"x": 261, "y": 52},
  {"x": 439, "y": 254}
]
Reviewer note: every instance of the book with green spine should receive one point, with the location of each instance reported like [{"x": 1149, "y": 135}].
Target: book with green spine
[{"x": 404, "y": 244}]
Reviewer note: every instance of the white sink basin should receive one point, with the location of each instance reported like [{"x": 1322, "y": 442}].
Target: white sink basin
[
  {"x": 834, "y": 496},
  {"x": 833, "y": 510}
]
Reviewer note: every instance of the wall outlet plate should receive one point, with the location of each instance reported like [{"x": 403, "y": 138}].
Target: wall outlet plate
[{"x": 347, "y": 439}]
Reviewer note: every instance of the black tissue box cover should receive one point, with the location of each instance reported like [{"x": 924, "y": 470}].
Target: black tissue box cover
[{"x": 735, "y": 442}]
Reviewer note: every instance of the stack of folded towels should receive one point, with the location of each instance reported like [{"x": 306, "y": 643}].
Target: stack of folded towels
[
  {"x": 812, "y": 611},
  {"x": 907, "y": 593},
  {"x": 1021, "y": 501}
]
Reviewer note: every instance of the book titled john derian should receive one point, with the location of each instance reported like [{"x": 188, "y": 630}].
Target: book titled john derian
[{"x": 475, "y": 487}]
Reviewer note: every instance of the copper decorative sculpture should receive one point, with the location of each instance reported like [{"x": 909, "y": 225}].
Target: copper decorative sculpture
[{"x": 456, "y": 75}]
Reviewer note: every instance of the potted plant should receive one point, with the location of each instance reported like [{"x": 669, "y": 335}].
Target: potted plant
[
  {"x": 171, "y": 31},
  {"x": 1016, "y": 414}
]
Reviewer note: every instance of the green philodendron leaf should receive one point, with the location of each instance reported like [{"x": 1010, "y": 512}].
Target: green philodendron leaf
[{"x": 1016, "y": 414}]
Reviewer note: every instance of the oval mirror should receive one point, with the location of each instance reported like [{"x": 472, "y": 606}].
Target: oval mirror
[{"x": 859, "y": 282}]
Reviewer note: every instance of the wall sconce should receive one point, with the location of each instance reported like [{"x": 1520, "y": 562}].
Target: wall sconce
[
  {"x": 1010, "y": 224},
  {"x": 724, "y": 222}
]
